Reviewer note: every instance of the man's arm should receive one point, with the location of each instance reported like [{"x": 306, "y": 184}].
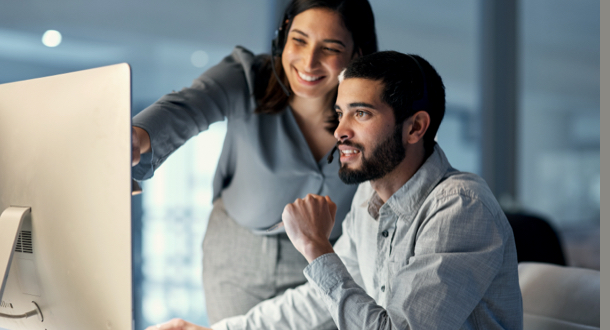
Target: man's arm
[
  {"x": 298, "y": 308},
  {"x": 302, "y": 307},
  {"x": 176, "y": 324}
]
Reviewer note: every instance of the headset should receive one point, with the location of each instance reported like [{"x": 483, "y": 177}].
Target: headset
[
  {"x": 419, "y": 104},
  {"x": 277, "y": 47}
]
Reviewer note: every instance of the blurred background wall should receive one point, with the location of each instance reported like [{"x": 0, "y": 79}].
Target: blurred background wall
[{"x": 523, "y": 106}]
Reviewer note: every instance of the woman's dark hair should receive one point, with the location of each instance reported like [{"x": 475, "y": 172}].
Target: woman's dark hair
[
  {"x": 410, "y": 84},
  {"x": 358, "y": 19}
]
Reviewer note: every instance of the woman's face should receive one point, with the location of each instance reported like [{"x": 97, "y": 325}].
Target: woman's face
[{"x": 318, "y": 47}]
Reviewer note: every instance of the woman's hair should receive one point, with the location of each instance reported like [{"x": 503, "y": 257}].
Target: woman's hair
[{"x": 357, "y": 17}]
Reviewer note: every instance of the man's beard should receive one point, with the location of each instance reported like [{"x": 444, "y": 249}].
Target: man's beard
[{"x": 384, "y": 159}]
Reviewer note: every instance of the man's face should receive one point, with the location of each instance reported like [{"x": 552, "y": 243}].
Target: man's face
[{"x": 370, "y": 143}]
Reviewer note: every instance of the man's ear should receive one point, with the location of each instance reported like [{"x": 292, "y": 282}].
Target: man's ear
[
  {"x": 415, "y": 127},
  {"x": 357, "y": 53}
]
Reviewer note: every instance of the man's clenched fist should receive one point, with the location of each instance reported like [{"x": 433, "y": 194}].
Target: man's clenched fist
[{"x": 309, "y": 222}]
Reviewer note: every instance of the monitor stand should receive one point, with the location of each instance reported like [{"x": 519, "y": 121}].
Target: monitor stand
[{"x": 10, "y": 223}]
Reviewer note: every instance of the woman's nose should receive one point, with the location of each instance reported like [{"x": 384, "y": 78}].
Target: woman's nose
[{"x": 311, "y": 59}]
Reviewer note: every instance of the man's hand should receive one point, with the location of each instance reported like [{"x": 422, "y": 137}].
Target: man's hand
[
  {"x": 309, "y": 222},
  {"x": 176, "y": 324}
]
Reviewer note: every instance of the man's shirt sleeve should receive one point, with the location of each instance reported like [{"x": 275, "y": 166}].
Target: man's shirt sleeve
[{"x": 298, "y": 308}]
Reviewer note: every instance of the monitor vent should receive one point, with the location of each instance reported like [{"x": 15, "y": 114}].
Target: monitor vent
[{"x": 24, "y": 242}]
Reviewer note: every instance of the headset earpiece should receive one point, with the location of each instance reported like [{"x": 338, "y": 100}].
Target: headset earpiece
[
  {"x": 277, "y": 47},
  {"x": 278, "y": 42},
  {"x": 275, "y": 51}
]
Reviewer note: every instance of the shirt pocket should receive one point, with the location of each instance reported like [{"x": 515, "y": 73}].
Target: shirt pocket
[
  {"x": 402, "y": 253},
  {"x": 399, "y": 260}
]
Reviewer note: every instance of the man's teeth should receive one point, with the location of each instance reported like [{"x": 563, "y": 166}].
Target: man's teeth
[
  {"x": 308, "y": 77},
  {"x": 350, "y": 152}
]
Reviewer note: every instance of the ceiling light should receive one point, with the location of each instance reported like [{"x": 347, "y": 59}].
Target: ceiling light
[{"x": 51, "y": 38}]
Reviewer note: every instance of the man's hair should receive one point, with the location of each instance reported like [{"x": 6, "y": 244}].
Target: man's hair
[{"x": 410, "y": 84}]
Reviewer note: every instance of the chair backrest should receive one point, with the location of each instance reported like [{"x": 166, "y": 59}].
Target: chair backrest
[
  {"x": 536, "y": 240},
  {"x": 559, "y": 297}
]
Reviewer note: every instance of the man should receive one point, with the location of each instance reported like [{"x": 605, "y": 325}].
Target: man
[{"x": 424, "y": 246}]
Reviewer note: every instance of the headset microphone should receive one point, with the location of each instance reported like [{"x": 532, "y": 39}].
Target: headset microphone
[{"x": 330, "y": 157}]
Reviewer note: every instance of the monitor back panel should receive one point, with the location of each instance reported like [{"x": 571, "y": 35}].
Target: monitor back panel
[{"x": 65, "y": 151}]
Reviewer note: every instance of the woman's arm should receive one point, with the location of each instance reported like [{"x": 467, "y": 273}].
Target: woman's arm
[{"x": 223, "y": 91}]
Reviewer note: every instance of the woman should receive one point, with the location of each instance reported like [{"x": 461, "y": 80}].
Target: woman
[{"x": 280, "y": 120}]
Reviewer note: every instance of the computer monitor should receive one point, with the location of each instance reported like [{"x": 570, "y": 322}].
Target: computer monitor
[{"x": 65, "y": 200}]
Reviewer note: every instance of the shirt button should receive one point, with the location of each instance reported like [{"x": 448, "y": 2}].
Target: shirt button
[
  {"x": 384, "y": 233},
  {"x": 383, "y": 288}
]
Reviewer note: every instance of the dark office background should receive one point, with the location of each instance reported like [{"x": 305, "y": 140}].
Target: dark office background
[{"x": 523, "y": 106}]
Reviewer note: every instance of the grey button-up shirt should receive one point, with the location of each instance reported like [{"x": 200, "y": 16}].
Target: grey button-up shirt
[{"x": 439, "y": 254}]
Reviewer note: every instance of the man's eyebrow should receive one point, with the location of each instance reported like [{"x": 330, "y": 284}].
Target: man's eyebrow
[
  {"x": 361, "y": 105},
  {"x": 333, "y": 41}
]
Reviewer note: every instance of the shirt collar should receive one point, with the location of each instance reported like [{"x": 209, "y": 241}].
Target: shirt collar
[
  {"x": 375, "y": 203},
  {"x": 408, "y": 199}
]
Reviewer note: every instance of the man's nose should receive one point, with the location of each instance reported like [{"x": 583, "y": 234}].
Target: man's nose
[{"x": 343, "y": 131}]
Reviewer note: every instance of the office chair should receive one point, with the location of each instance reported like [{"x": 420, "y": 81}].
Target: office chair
[
  {"x": 559, "y": 297},
  {"x": 536, "y": 240}
]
